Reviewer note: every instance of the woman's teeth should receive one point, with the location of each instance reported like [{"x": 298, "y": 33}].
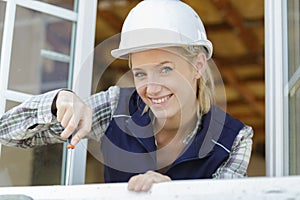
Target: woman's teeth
[{"x": 161, "y": 100}]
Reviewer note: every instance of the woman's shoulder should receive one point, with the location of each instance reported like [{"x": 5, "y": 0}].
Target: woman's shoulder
[{"x": 222, "y": 117}]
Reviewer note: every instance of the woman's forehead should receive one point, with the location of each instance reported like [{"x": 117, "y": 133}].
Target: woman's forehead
[
  {"x": 153, "y": 65},
  {"x": 173, "y": 55},
  {"x": 156, "y": 56}
]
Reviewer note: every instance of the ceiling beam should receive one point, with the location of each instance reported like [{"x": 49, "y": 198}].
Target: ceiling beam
[
  {"x": 257, "y": 106},
  {"x": 235, "y": 20},
  {"x": 248, "y": 23},
  {"x": 246, "y": 59},
  {"x": 111, "y": 18},
  {"x": 116, "y": 22}
]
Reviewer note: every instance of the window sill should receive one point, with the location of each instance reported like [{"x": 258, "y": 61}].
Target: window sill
[{"x": 248, "y": 188}]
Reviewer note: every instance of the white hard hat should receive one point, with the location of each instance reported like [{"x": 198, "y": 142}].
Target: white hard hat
[{"x": 161, "y": 23}]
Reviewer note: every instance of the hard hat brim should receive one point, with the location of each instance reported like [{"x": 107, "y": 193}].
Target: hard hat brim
[{"x": 124, "y": 53}]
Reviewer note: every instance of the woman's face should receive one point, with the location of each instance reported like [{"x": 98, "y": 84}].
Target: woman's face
[{"x": 165, "y": 81}]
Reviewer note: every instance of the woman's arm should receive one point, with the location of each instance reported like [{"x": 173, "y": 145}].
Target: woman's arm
[
  {"x": 31, "y": 123},
  {"x": 237, "y": 163},
  {"x": 34, "y": 123}
]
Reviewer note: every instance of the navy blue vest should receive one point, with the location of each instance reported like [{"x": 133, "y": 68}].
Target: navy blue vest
[{"x": 128, "y": 146}]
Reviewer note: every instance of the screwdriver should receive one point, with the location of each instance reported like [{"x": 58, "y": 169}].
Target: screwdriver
[{"x": 69, "y": 168}]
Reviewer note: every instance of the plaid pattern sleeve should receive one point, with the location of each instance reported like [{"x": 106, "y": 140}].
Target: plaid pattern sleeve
[
  {"x": 103, "y": 105},
  {"x": 32, "y": 122},
  {"x": 237, "y": 163}
]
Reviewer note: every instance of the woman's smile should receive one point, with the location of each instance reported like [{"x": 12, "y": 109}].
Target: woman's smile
[{"x": 160, "y": 100}]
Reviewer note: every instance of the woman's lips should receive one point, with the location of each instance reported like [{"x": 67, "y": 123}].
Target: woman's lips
[{"x": 160, "y": 100}]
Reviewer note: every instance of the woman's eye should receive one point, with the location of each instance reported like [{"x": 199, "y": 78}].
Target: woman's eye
[
  {"x": 166, "y": 69},
  {"x": 139, "y": 74}
]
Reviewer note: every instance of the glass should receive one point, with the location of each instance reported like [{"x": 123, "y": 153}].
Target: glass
[
  {"x": 15, "y": 166},
  {"x": 37, "y": 166},
  {"x": 68, "y": 4},
  {"x": 33, "y": 69},
  {"x": 10, "y": 104},
  {"x": 293, "y": 36},
  {"x": 294, "y": 98},
  {"x": 39, "y": 63},
  {"x": 2, "y": 15},
  {"x": 295, "y": 134},
  {"x": 25, "y": 167}
]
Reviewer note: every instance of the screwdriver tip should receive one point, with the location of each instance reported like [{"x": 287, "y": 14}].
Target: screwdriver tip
[{"x": 70, "y": 146}]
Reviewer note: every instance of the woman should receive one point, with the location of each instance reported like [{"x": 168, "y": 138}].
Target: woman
[{"x": 166, "y": 128}]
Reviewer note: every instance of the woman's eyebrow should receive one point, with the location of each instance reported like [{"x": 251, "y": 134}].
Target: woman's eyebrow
[
  {"x": 136, "y": 69},
  {"x": 140, "y": 67},
  {"x": 164, "y": 62}
]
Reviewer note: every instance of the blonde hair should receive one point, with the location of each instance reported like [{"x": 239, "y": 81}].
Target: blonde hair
[
  {"x": 206, "y": 89},
  {"x": 206, "y": 86}
]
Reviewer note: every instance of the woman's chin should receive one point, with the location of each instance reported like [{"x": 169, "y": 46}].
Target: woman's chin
[{"x": 159, "y": 113}]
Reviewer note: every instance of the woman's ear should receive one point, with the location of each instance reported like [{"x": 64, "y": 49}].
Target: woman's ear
[{"x": 200, "y": 64}]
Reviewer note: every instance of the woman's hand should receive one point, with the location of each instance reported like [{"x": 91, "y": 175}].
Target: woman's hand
[
  {"x": 143, "y": 182},
  {"x": 74, "y": 115}
]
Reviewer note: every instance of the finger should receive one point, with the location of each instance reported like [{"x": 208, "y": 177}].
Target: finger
[
  {"x": 66, "y": 118},
  {"x": 81, "y": 133},
  {"x": 70, "y": 128},
  {"x": 138, "y": 187},
  {"x": 147, "y": 184},
  {"x": 84, "y": 129},
  {"x": 131, "y": 183},
  {"x": 140, "y": 182},
  {"x": 76, "y": 139},
  {"x": 150, "y": 178}
]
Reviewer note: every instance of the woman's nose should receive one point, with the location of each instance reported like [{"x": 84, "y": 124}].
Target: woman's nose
[{"x": 153, "y": 88}]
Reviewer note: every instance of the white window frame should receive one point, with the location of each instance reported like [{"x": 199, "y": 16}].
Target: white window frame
[
  {"x": 82, "y": 75},
  {"x": 83, "y": 46},
  {"x": 276, "y": 66}
]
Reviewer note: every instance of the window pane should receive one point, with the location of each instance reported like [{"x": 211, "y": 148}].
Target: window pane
[
  {"x": 294, "y": 99},
  {"x": 37, "y": 166},
  {"x": 40, "y": 52},
  {"x": 25, "y": 167},
  {"x": 2, "y": 13},
  {"x": 10, "y": 104},
  {"x": 15, "y": 166},
  {"x": 69, "y": 4},
  {"x": 295, "y": 134},
  {"x": 32, "y": 70},
  {"x": 293, "y": 35}
]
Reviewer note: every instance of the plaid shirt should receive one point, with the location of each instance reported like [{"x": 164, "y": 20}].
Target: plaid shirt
[{"x": 32, "y": 123}]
